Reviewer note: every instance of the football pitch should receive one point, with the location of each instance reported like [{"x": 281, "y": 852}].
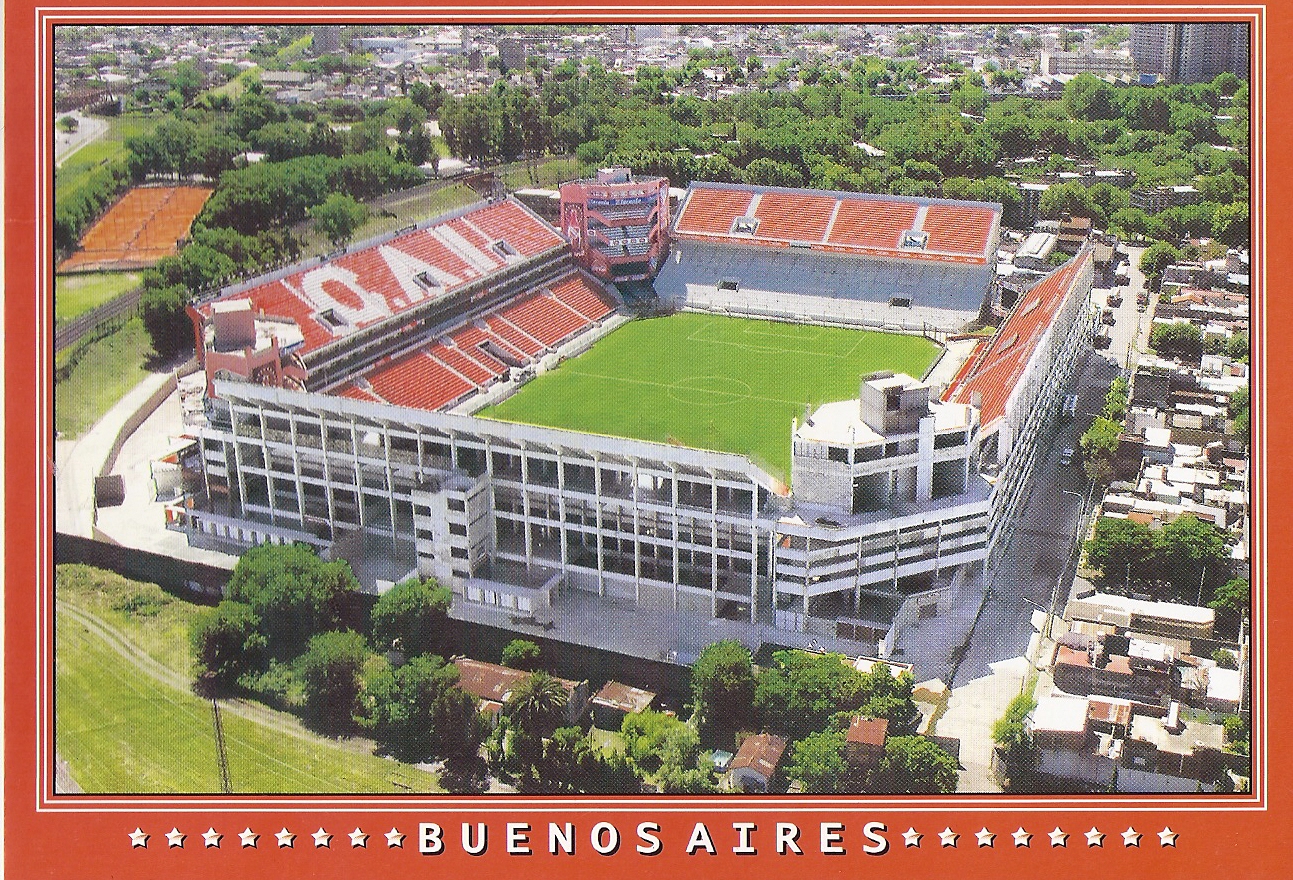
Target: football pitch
[{"x": 711, "y": 382}]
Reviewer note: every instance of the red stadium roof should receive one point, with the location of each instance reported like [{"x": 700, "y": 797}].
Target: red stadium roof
[
  {"x": 850, "y": 223},
  {"x": 358, "y": 289},
  {"x": 996, "y": 369}
]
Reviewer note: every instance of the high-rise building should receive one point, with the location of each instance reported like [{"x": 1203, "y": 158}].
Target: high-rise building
[{"x": 1190, "y": 52}]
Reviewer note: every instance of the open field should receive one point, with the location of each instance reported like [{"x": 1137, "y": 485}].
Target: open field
[
  {"x": 121, "y": 731},
  {"x": 711, "y": 382},
  {"x": 548, "y": 173},
  {"x": 391, "y": 212},
  {"x": 76, "y": 294},
  {"x": 105, "y": 371},
  {"x": 151, "y": 618},
  {"x": 111, "y": 146},
  {"x": 144, "y": 226}
]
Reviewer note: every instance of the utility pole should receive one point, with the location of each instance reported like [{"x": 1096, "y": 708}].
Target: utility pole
[{"x": 221, "y": 754}]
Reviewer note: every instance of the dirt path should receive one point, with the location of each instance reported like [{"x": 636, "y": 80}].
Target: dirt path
[{"x": 282, "y": 722}]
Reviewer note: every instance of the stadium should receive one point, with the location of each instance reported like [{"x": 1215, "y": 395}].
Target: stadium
[{"x": 463, "y": 400}]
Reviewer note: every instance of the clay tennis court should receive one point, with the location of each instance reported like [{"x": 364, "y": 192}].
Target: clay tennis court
[{"x": 144, "y": 226}]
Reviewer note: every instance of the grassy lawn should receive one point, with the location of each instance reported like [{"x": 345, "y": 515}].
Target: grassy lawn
[
  {"x": 122, "y": 731},
  {"x": 549, "y": 172},
  {"x": 149, "y": 616},
  {"x": 108, "y": 369},
  {"x": 394, "y": 214},
  {"x": 77, "y": 294},
  {"x": 608, "y": 740},
  {"x": 711, "y": 382},
  {"x": 108, "y": 147}
]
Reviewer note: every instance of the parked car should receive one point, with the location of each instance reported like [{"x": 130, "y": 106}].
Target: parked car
[
  {"x": 1115, "y": 300},
  {"x": 1109, "y": 317},
  {"x": 1067, "y": 456}
]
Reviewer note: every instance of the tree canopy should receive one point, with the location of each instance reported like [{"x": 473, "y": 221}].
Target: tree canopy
[
  {"x": 293, "y": 592},
  {"x": 414, "y": 612},
  {"x": 330, "y": 673},
  {"x": 914, "y": 765},
  {"x": 722, "y": 681},
  {"x": 421, "y": 713}
]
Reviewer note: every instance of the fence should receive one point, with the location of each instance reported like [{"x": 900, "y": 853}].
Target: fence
[{"x": 76, "y": 329}]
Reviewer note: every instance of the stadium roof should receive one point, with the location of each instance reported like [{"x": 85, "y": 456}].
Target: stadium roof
[
  {"x": 997, "y": 368},
  {"x": 339, "y": 296},
  {"x": 846, "y": 223}
]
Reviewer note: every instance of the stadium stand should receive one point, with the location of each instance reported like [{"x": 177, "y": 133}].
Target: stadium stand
[
  {"x": 871, "y": 224},
  {"x": 713, "y": 210},
  {"x": 794, "y": 218},
  {"x": 418, "y": 380}
]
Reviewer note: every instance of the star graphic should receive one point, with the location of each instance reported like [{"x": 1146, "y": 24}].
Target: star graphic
[
  {"x": 947, "y": 837},
  {"x": 211, "y": 837},
  {"x": 1095, "y": 837},
  {"x": 358, "y": 838},
  {"x": 1022, "y": 837},
  {"x": 175, "y": 837},
  {"x": 285, "y": 837},
  {"x": 249, "y": 838},
  {"x": 1131, "y": 837},
  {"x": 322, "y": 838},
  {"x": 1167, "y": 837},
  {"x": 911, "y": 837},
  {"x": 985, "y": 837},
  {"x": 138, "y": 838},
  {"x": 394, "y": 838},
  {"x": 1059, "y": 838}
]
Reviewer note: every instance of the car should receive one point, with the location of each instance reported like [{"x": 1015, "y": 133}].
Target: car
[
  {"x": 1115, "y": 300},
  {"x": 1110, "y": 318},
  {"x": 1102, "y": 341},
  {"x": 1067, "y": 456}
]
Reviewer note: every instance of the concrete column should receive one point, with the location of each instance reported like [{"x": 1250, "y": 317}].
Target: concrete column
[
  {"x": 597, "y": 492},
  {"x": 525, "y": 503},
  {"x": 925, "y": 461},
  {"x": 637, "y": 554},
  {"x": 359, "y": 474},
  {"x": 390, "y": 479},
  {"x": 674, "y": 509},
  {"x": 754, "y": 553},
  {"x": 561, "y": 510}
]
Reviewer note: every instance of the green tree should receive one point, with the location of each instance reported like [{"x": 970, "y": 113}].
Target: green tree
[
  {"x": 1232, "y": 597},
  {"x": 1238, "y": 409},
  {"x": 1099, "y": 444},
  {"x": 537, "y": 705},
  {"x": 1009, "y": 733},
  {"x": 226, "y": 642},
  {"x": 649, "y": 734},
  {"x": 1120, "y": 548},
  {"x": 421, "y": 713},
  {"x": 817, "y": 761},
  {"x": 413, "y": 611},
  {"x": 294, "y": 593},
  {"x": 1088, "y": 97},
  {"x": 1179, "y": 338},
  {"x": 522, "y": 654},
  {"x": 914, "y": 765},
  {"x": 165, "y": 319},
  {"x": 1156, "y": 258},
  {"x": 330, "y": 673},
  {"x": 1190, "y": 553},
  {"x": 722, "y": 682},
  {"x": 338, "y": 218}
]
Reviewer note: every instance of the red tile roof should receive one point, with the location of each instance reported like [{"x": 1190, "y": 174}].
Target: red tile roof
[
  {"x": 760, "y": 753},
  {"x": 851, "y": 223},
  {"x": 489, "y": 681},
  {"x": 997, "y": 369},
  {"x": 370, "y": 285},
  {"x": 868, "y": 731}
]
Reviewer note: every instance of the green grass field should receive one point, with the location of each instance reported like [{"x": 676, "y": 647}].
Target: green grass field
[
  {"x": 153, "y": 619},
  {"x": 711, "y": 382},
  {"x": 77, "y": 294},
  {"x": 111, "y": 145},
  {"x": 122, "y": 731},
  {"x": 109, "y": 368}
]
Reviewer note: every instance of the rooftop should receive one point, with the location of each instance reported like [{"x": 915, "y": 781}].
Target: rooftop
[
  {"x": 1001, "y": 366},
  {"x": 623, "y": 697},
  {"x": 1061, "y": 714},
  {"x": 760, "y": 753}
]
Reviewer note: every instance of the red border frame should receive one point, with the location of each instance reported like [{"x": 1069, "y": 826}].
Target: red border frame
[{"x": 48, "y": 835}]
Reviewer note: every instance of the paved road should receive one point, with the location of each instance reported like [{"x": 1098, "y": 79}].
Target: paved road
[{"x": 66, "y": 143}]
